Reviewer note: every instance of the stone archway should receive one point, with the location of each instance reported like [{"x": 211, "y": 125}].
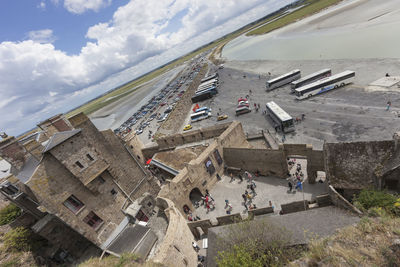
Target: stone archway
[{"x": 195, "y": 195}]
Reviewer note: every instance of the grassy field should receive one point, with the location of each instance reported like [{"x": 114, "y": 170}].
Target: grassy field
[{"x": 311, "y": 7}]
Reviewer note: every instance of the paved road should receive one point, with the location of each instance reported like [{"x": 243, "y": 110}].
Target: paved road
[{"x": 346, "y": 114}]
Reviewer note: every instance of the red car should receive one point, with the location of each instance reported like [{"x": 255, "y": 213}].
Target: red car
[
  {"x": 163, "y": 104},
  {"x": 242, "y": 99}
]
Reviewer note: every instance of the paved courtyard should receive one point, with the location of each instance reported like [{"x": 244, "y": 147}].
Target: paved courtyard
[{"x": 268, "y": 189}]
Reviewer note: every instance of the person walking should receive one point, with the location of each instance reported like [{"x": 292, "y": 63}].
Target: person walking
[
  {"x": 240, "y": 177},
  {"x": 244, "y": 198},
  {"x": 209, "y": 195},
  {"x": 229, "y": 209},
  {"x": 253, "y": 190},
  {"x": 388, "y": 104},
  {"x": 290, "y": 186},
  {"x": 232, "y": 178}
]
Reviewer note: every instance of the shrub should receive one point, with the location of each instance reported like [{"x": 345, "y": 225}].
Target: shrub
[
  {"x": 9, "y": 213},
  {"x": 372, "y": 200},
  {"x": 18, "y": 239}
]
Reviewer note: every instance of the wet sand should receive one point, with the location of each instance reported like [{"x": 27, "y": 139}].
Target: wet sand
[{"x": 351, "y": 29}]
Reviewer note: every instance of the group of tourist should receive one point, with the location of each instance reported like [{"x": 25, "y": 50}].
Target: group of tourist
[{"x": 295, "y": 179}]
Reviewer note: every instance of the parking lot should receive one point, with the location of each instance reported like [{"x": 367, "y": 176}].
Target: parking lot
[{"x": 351, "y": 113}]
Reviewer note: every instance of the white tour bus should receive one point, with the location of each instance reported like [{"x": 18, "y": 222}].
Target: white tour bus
[
  {"x": 215, "y": 75},
  {"x": 325, "y": 85},
  {"x": 210, "y": 81},
  {"x": 281, "y": 118},
  {"x": 311, "y": 78},
  {"x": 283, "y": 80},
  {"x": 206, "y": 86},
  {"x": 198, "y": 116}
]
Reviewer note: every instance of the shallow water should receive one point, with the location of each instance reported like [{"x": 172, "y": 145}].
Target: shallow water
[{"x": 380, "y": 41}]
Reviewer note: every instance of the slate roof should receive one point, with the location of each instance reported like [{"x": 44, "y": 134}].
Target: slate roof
[{"x": 60, "y": 137}]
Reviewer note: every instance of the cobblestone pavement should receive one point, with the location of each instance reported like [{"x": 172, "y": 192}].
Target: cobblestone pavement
[{"x": 267, "y": 189}]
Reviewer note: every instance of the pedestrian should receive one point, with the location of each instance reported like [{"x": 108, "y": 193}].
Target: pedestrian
[
  {"x": 209, "y": 195},
  {"x": 283, "y": 138},
  {"x": 244, "y": 198},
  {"x": 258, "y": 105},
  {"x": 388, "y": 105},
  {"x": 226, "y": 203},
  {"x": 195, "y": 246},
  {"x": 303, "y": 116},
  {"x": 250, "y": 92},
  {"x": 208, "y": 207},
  {"x": 253, "y": 184},
  {"x": 229, "y": 209},
  {"x": 240, "y": 177},
  {"x": 255, "y": 105},
  {"x": 270, "y": 204},
  {"x": 253, "y": 190},
  {"x": 232, "y": 178},
  {"x": 217, "y": 113},
  {"x": 290, "y": 186},
  {"x": 249, "y": 197}
]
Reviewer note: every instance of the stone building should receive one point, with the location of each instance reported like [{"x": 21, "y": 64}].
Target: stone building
[{"x": 83, "y": 177}]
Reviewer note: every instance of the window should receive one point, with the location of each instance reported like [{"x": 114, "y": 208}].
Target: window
[
  {"x": 113, "y": 192},
  {"x": 217, "y": 156},
  {"x": 73, "y": 204},
  {"x": 10, "y": 189},
  {"x": 149, "y": 204},
  {"x": 209, "y": 166},
  {"x": 89, "y": 157},
  {"x": 79, "y": 164},
  {"x": 93, "y": 220},
  {"x": 101, "y": 180}
]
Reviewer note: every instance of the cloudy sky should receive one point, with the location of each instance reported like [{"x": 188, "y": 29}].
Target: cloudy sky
[{"x": 57, "y": 54}]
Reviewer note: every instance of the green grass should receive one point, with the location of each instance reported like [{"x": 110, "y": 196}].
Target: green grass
[
  {"x": 312, "y": 6},
  {"x": 9, "y": 214}
]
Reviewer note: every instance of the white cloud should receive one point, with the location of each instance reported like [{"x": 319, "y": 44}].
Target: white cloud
[
  {"x": 55, "y": 2},
  {"x": 38, "y": 80},
  {"x": 42, "y": 36},
  {"x": 81, "y": 6},
  {"x": 41, "y": 5}
]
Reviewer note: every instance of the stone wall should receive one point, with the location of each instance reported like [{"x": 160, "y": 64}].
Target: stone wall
[
  {"x": 267, "y": 162},
  {"x": 111, "y": 179},
  {"x": 339, "y": 201},
  {"x": 354, "y": 165},
  {"x": 174, "y": 140},
  {"x": 195, "y": 175},
  {"x": 53, "y": 184},
  {"x": 176, "y": 248}
]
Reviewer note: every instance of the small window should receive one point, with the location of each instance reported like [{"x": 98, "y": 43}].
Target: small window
[
  {"x": 113, "y": 192},
  {"x": 93, "y": 220},
  {"x": 79, "y": 164},
  {"x": 89, "y": 157},
  {"x": 101, "y": 180},
  {"x": 73, "y": 204},
  {"x": 149, "y": 204}
]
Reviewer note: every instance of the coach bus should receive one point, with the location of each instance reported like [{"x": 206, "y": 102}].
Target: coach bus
[
  {"x": 213, "y": 90},
  {"x": 311, "y": 78},
  {"x": 206, "y": 86},
  {"x": 242, "y": 110},
  {"x": 210, "y": 81},
  {"x": 325, "y": 85},
  {"x": 197, "y": 116},
  {"x": 282, "y": 120},
  {"x": 283, "y": 80},
  {"x": 215, "y": 75}
]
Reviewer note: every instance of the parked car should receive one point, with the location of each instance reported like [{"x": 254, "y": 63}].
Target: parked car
[
  {"x": 187, "y": 127},
  {"x": 222, "y": 117}
]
